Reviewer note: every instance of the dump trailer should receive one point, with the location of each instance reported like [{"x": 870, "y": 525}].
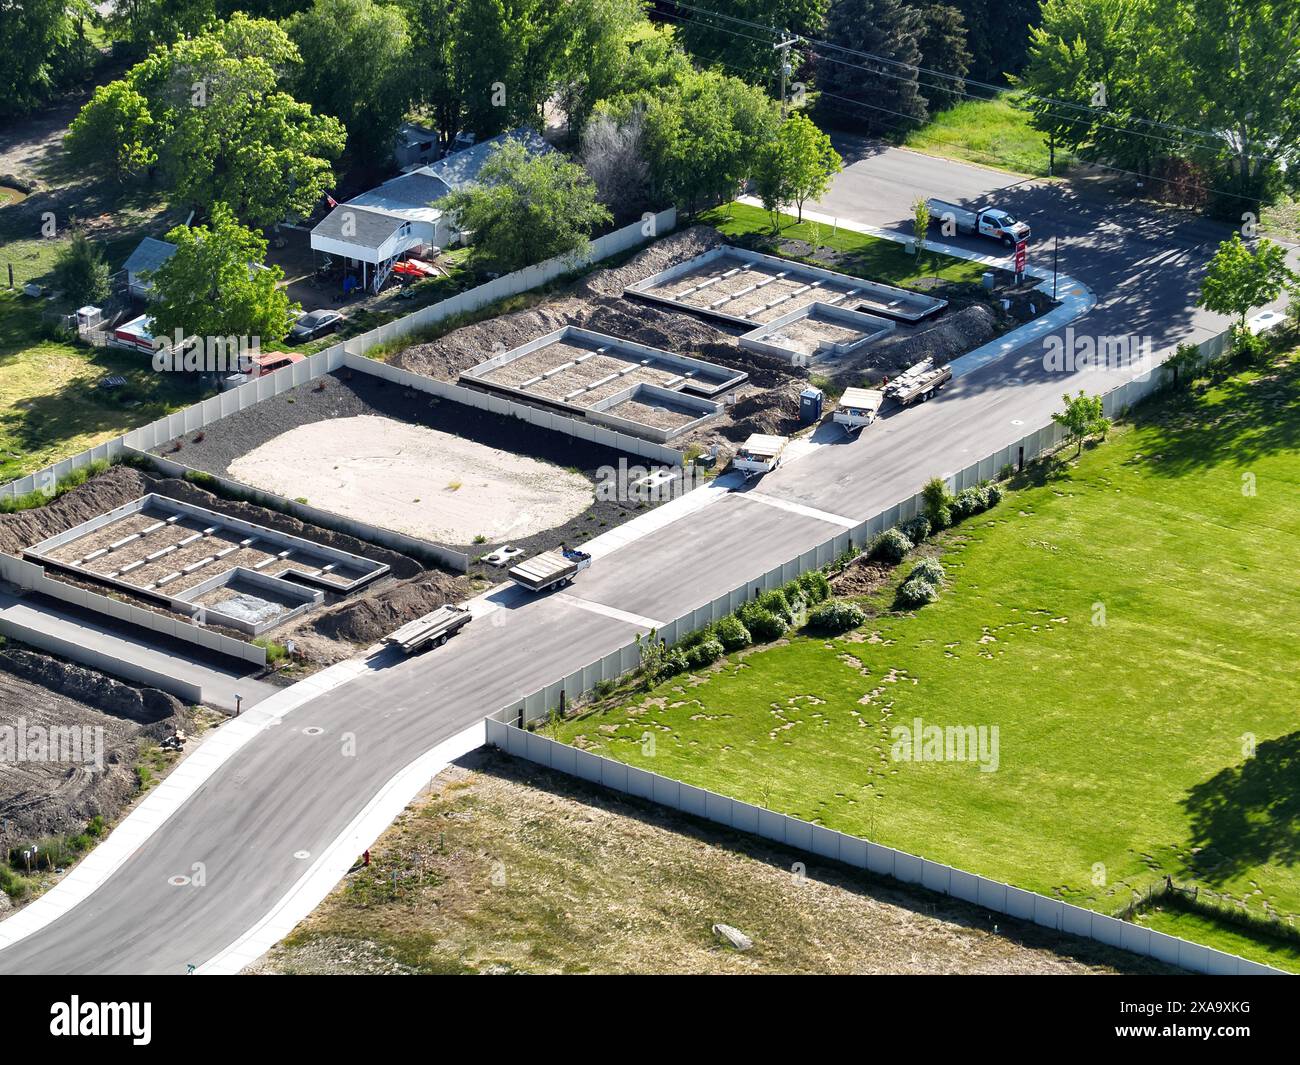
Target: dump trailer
[
  {"x": 761, "y": 453},
  {"x": 434, "y": 628},
  {"x": 858, "y": 408},
  {"x": 918, "y": 383},
  {"x": 990, "y": 222},
  {"x": 550, "y": 569}
]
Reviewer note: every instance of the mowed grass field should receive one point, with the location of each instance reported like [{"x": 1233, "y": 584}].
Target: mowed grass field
[
  {"x": 1130, "y": 627},
  {"x": 860, "y": 255},
  {"x": 992, "y": 133}
]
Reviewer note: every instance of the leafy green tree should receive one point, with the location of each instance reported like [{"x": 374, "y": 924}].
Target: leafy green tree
[
  {"x": 797, "y": 165},
  {"x": 1082, "y": 417},
  {"x": 873, "y": 97},
  {"x": 432, "y": 70},
  {"x": 41, "y": 47},
  {"x": 115, "y": 131},
  {"x": 215, "y": 284},
  {"x": 942, "y": 41},
  {"x": 997, "y": 35},
  {"x": 526, "y": 208},
  {"x": 704, "y": 135},
  {"x": 221, "y": 127},
  {"x": 145, "y": 23},
  {"x": 1239, "y": 279},
  {"x": 368, "y": 97},
  {"x": 745, "y": 50},
  {"x": 80, "y": 270}
]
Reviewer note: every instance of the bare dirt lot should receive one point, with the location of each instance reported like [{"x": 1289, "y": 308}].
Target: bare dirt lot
[
  {"x": 508, "y": 868},
  {"x": 416, "y": 480},
  {"x": 51, "y": 793},
  {"x": 520, "y": 463}
]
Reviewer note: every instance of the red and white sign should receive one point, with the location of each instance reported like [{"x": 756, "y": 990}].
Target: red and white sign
[{"x": 1022, "y": 256}]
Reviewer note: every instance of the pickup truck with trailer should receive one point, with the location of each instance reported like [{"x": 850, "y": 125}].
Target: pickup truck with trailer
[
  {"x": 550, "y": 569},
  {"x": 761, "y": 453},
  {"x": 858, "y": 408},
  {"x": 431, "y": 630},
  {"x": 990, "y": 222},
  {"x": 918, "y": 383}
]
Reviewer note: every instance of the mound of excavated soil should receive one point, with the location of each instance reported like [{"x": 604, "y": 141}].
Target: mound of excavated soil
[
  {"x": 368, "y": 620},
  {"x": 954, "y": 334},
  {"x": 775, "y": 411},
  {"x": 112, "y": 488}
]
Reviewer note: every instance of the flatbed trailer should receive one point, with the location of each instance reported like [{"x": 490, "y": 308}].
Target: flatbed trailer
[
  {"x": 432, "y": 629},
  {"x": 858, "y": 408},
  {"x": 761, "y": 453},
  {"x": 550, "y": 569},
  {"x": 918, "y": 383}
]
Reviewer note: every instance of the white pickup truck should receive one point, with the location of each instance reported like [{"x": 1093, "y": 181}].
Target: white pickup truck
[{"x": 988, "y": 222}]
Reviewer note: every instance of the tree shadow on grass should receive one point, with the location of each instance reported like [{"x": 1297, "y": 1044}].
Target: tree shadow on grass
[
  {"x": 1235, "y": 420},
  {"x": 1248, "y": 815}
]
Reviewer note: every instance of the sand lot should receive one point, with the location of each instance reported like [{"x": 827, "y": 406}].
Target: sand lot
[{"x": 415, "y": 480}]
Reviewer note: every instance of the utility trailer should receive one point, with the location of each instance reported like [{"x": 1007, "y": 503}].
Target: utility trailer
[
  {"x": 759, "y": 454},
  {"x": 550, "y": 569},
  {"x": 858, "y": 408},
  {"x": 918, "y": 383},
  {"x": 431, "y": 630}
]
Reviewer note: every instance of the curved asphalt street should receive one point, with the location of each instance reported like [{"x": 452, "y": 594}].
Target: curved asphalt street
[{"x": 288, "y": 791}]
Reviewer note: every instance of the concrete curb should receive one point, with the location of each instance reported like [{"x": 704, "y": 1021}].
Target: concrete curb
[
  {"x": 168, "y": 797},
  {"x": 310, "y": 890}
]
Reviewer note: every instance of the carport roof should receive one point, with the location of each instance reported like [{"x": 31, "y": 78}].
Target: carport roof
[{"x": 369, "y": 228}]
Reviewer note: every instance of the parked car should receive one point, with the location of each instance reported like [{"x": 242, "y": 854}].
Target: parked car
[{"x": 314, "y": 324}]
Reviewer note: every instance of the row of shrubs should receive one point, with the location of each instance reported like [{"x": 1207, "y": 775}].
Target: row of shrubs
[{"x": 805, "y": 600}]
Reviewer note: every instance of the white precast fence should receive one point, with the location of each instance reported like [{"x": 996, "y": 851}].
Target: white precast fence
[{"x": 826, "y": 843}]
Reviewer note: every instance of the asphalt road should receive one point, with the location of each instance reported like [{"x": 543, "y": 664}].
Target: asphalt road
[{"x": 288, "y": 792}]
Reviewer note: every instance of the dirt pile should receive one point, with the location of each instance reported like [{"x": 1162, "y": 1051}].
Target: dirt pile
[
  {"x": 954, "y": 334},
  {"x": 112, "y": 488},
  {"x": 145, "y": 706},
  {"x": 369, "y": 620},
  {"x": 775, "y": 411},
  {"x": 673, "y": 249}
]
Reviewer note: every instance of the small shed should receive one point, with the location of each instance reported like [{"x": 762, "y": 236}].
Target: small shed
[{"x": 149, "y": 254}]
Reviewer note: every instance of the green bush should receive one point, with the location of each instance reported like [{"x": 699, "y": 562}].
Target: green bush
[
  {"x": 835, "y": 617},
  {"x": 762, "y": 624},
  {"x": 674, "y": 662},
  {"x": 816, "y": 588},
  {"x": 916, "y": 591},
  {"x": 704, "y": 653},
  {"x": 731, "y": 633},
  {"x": 916, "y": 529},
  {"x": 890, "y": 546},
  {"x": 929, "y": 570},
  {"x": 995, "y": 492},
  {"x": 937, "y": 503},
  {"x": 40, "y": 497},
  {"x": 776, "y": 602}
]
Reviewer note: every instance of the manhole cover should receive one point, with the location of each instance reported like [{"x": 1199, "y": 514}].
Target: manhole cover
[
  {"x": 178, "y": 881},
  {"x": 312, "y": 730},
  {"x": 302, "y": 855}
]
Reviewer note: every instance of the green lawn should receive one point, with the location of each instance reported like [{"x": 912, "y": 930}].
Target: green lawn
[
  {"x": 50, "y": 408},
  {"x": 864, "y": 256},
  {"x": 988, "y": 132},
  {"x": 1121, "y": 745}
]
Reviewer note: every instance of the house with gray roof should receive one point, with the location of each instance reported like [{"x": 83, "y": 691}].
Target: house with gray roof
[{"x": 374, "y": 230}]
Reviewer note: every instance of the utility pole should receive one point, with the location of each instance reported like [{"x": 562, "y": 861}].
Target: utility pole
[{"x": 783, "y": 47}]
